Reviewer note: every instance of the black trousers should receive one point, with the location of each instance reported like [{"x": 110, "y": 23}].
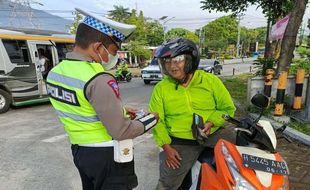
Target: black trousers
[{"x": 98, "y": 170}]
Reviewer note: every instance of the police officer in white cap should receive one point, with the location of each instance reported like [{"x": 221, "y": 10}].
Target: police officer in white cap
[{"x": 87, "y": 101}]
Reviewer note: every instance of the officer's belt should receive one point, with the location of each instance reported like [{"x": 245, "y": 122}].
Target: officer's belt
[{"x": 100, "y": 144}]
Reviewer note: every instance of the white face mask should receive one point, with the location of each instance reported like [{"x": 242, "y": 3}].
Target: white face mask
[{"x": 111, "y": 62}]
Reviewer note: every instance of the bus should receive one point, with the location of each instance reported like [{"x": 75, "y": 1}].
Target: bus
[{"x": 22, "y": 80}]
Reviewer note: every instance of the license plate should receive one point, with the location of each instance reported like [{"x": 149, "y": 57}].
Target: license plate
[
  {"x": 264, "y": 164},
  {"x": 154, "y": 76}
]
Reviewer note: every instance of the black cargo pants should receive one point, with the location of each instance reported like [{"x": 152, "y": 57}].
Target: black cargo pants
[{"x": 98, "y": 170}]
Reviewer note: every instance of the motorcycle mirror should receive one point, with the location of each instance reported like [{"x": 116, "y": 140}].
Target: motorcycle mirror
[{"x": 260, "y": 101}]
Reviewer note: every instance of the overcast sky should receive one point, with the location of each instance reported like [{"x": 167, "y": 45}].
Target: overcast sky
[{"x": 184, "y": 13}]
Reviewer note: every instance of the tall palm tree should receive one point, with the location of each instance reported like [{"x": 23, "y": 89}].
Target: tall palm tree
[{"x": 119, "y": 13}]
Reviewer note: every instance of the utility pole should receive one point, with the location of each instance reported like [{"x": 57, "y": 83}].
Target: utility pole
[
  {"x": 200, "y": 40},
  {"x": 302, "y": 32},
  {"x": 164, "y": 26},
  {"x": 203, "y": 36},
  {"x": 238, "y": 37},
  {"x": 308, "y": 42},
  {"x": 267, "y": 42}
]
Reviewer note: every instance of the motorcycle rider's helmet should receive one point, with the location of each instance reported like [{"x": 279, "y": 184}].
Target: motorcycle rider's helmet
[{"x": 177, "y": 47}]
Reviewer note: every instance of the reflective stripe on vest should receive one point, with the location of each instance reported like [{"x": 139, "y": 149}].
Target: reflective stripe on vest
[
  {"x": 66, "y": 83},
  {"x": 76, "y": 83},
  {"x": 77, "y": 117}
]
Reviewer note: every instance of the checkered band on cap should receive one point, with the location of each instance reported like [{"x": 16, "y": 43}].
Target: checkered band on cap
[{"x": 94, "y": 23}]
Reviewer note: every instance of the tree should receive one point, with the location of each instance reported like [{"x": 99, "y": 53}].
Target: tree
[
  {"x": 139, "y": 21},
  {"x": 181, "y": 33},
  {"x": 119, "y": 13},
  {"x": 76, "y": 22},
  {"x": 248, "y": 36},
  {"x": 221, "y": 32},
  {"x": 154, "y": 33},
  {"x": 261, "y": 34},
  {"x": 273, "y": 10},
  {"x": 147, "y": 33},
  {"x": 138, "y": 49},
  {"x": 216, "y": 45},
  {"x": 289, "y": 39}
]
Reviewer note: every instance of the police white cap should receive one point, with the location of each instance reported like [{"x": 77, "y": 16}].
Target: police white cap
[{"x": 118, "y": 31}]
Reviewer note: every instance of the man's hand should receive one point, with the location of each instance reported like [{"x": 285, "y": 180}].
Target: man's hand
[
  {"x": 173, "y": 157},
  {"x": 207, "y": 127}
]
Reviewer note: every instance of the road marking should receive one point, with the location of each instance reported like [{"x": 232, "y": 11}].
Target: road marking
[{"x": 55, "y": 138}]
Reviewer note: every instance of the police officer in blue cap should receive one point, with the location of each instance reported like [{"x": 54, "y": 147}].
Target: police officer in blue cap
[{"x": 87, "y": 101}]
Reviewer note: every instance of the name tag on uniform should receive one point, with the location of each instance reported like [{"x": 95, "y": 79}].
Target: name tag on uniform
[
  {"x": 123, "y": 151},
  {"x": 62, "y": 94}
]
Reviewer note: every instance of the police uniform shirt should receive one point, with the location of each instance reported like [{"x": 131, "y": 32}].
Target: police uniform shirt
[{"x": 103, "y": 94}]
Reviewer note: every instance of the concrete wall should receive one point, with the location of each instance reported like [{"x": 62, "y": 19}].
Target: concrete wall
[{"x": 256, "y": 85}]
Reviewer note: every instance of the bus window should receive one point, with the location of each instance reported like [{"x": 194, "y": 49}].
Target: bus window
[
  {"x": 62, "y": 49},
  {"x": 17, "y": 50}
]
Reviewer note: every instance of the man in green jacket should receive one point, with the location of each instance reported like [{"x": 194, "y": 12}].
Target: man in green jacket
[{"x": 183, "y": 92}]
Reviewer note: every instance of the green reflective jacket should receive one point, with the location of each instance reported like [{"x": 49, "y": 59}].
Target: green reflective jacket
[
  {"x": 65, "y": 85},
  {"x": 205, "y": 95}
]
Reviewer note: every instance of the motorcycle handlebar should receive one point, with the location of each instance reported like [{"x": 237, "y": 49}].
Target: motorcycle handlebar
[{"x": 231, "y": 120}]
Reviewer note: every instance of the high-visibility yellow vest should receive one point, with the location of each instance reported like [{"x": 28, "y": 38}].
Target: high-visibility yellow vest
[{"x": 66, "y": 85}]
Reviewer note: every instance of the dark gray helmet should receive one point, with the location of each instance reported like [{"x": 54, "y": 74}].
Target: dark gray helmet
[{"x": 180, "y": 46}]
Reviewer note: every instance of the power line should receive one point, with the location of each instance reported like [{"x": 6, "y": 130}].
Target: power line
[{"x": 198, "y": 18}]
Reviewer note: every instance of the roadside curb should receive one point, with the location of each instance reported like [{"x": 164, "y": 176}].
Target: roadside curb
[
  {"x": 235, "y": 63},
  {"x": 292, "y": 133}
]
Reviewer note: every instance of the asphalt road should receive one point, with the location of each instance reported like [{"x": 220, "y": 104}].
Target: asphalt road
[
  {"x": 35, "y": 152},
  {"x": 233, "y": 66}
]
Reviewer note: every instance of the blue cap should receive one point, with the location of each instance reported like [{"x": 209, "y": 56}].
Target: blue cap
[{"x": 107, "y": 26}]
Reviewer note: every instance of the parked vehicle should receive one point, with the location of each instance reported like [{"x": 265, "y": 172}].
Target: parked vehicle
[
  {"x": 21, "y": 82},
  {"x": 211, "y": 66},
  {"x": 151, "y": 72},
  {"x": 252, "y": 163}
]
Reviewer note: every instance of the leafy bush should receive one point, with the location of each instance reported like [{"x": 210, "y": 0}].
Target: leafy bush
[
  {"x": 262, "y": 64},
  {"x": 300, "y": 64},
  {"x": 228, "y": 56},
  {"x": 304, "y": 52}
]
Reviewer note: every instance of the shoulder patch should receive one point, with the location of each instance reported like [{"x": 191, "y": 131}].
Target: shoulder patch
[{"x": 113, "y": 84}]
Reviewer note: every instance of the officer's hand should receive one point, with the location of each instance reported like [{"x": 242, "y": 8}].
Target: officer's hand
[
  {"x": 207, "y": 127},
  {"x": 173, "y": 157},
  {"x": 156, "y": 115},
  {"x": 131, "y": 112}
]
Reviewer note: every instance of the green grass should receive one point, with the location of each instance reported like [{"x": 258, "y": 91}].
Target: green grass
[
  {"x": 300, "y": 127},
  {"x": 237, "y": 87}
]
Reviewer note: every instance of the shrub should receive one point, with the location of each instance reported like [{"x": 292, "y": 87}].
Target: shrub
[
  {"x": 262, "y": 64},
  {"x": 299, "y": 64}
]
